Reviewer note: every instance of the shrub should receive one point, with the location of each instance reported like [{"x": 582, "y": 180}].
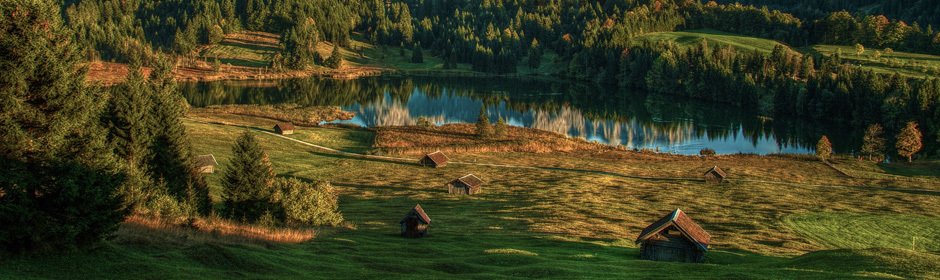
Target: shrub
[
  {"x": 424, "y": 122},
  {"x": 309, "y": 204},
  {"x": 706, "y": 152}
]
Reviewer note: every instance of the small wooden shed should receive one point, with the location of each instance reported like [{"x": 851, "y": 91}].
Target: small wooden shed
[
  {"x": 206, "y": 163},
  {"x": 468, "y": 184},
  {"x": 435, "y": 159},
  {"x": 715, "y": 175},
  {"x": 676, "y": 238},
  {"x": 415, "y": 224},
  {"x": 284, "y": 128}
]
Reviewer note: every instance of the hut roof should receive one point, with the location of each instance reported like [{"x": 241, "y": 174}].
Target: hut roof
[
  {"x": 284, "y": 126},
  {"x": 438, "y": 157},
  {"x": 419, "y": 212},
  {"x": 206, "y": 160},
  {"x": 686, "y": 225},
  {"x": 717, "y": 170},
  {"x": 470, "y": 180}
]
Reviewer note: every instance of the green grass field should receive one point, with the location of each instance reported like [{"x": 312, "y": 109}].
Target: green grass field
[
  {"x": 577, "y": 217},
  {"x": 715, "y": 38},
  {"x": 907, "y": 64}
]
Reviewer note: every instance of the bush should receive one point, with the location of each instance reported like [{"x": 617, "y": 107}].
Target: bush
[
  {"x": 309, "y": 204},
  {"x": 706, "y": 152},
  {"x": 424, "y": 122}
]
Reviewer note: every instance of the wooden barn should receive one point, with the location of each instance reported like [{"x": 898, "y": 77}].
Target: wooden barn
[
  {"x": 435, "y": 159},
  {"x": 284, "y": 128},
  {"x": 715, "y": 175},
  {"x": 676, "y": 238},
  {"x": 206, "y": 163},
  {"x": 415, "y": 224},
  {"x": 468, "y": 184}
]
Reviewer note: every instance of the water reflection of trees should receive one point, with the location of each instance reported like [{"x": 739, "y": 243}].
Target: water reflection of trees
[{"x": 614, "y": 116}]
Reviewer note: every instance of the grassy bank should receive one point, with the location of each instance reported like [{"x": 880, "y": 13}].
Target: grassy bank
[{"x": 570, "y": 215}]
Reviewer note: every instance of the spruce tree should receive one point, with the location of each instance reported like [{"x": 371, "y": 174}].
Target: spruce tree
[
  {"x": 824, "y": 148},
  {"x": 130, "y": 121},
  {"x": 500, "y": 128},
  {"x": 909, "y": 141},
  {"x": 873, "y": 143},
  {"x": 483, "y": 124},
  {"x": 535, "y": 54},
  {"x": 417, "y": 56},
  {"x": 248, "y": 181},
  {"x": 172, "y": 156},
  {"x": 336, "y": 60},
  {"x": 58, "y": 179}
]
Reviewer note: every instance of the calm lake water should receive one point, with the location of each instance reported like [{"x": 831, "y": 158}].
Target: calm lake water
[{"x": 605, "y": 115}]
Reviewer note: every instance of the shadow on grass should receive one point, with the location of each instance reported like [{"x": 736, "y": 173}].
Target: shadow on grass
[{"x": 924, "y": 168}]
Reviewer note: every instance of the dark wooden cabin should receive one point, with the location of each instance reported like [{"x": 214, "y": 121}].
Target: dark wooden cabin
[
  {"x": 715, "y": 175},
  {"x": 468, "y": 184},
  {"x": 675, "y": 238},
  {"x": 435, "y": 159},
  {"x": 284, "y": 128},
  {"x": 415, "y": 224},
  {"x": 206, "y": 163}
]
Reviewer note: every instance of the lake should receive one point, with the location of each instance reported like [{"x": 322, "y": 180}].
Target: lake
[{"x": 606, "y": 115}]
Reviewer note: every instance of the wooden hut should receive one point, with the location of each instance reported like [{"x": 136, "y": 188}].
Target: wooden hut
[
  {"x": 468, "y": 184},
  {"x": 284, "y": 128},
  {"x": 715, "y": 175},
  {"x": 435, "y": 159},
  {"x": 415, "y": 224},
  {"x": 675, "y": 237},
  {"x": 206, "y": 163}
]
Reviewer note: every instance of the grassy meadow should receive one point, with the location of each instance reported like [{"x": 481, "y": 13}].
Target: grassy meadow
[
  {"x": 572, "y": 214},
  {"x": 906, "y": 64},
  {"x": 714, "y": 38}
]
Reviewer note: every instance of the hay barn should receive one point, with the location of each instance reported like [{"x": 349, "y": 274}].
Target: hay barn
[
  {"x": 415, "y": 224},
  {"x": 468, "y": 184},
  {"x": 715, "y": 175},
  {"x": 284, "y": 128},
  {"x": 436, "y": 159},
  {"x": 206, "y": 163},
  {"x": 675, "y": 238}
]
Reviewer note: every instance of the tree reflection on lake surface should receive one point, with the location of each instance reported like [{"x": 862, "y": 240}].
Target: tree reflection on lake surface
[{"x": 606, "y": 115}]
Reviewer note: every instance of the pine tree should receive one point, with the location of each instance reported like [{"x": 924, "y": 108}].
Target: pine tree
[
  {"x": 129, "y": 120},
  {"x": 248, "y": 181},
  {"x": 824, "y": 148},
  {"x": 172, "y": 160},
  {"x": 909, "y": 141},
  {"x": 500, "y": 128},
  {"x": 535, "y": 54},
  {"x": 873, "y": 143},
  {"x": 336, "y": 58},
  {"x": 58, "y": 178},
  {"x": 417, "y": 56},
  {"x": 483, "y": 124}
]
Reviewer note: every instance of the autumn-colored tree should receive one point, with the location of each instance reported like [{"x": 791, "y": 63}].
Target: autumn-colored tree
[
  {"x": 824, "y": 148},
  {"x": 909, "y": 141},
  {"x": 873, "y": 144}
]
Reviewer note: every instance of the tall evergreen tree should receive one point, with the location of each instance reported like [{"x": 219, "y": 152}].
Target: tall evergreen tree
[
  {"x": 172, "y": 160},
  {"x": 417, "y": 56},
  {"x": 336, "y": 60},
  {"x": 58, "y": 179},
  {"x": 130, "y": 121},
  {"x": 248, "y": 181},
  {"x": 483, "y": 124},
  {"x": 909, "y": 141}
]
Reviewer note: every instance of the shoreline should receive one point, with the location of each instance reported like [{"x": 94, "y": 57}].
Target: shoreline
[{"x": 111, "y": 73}]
